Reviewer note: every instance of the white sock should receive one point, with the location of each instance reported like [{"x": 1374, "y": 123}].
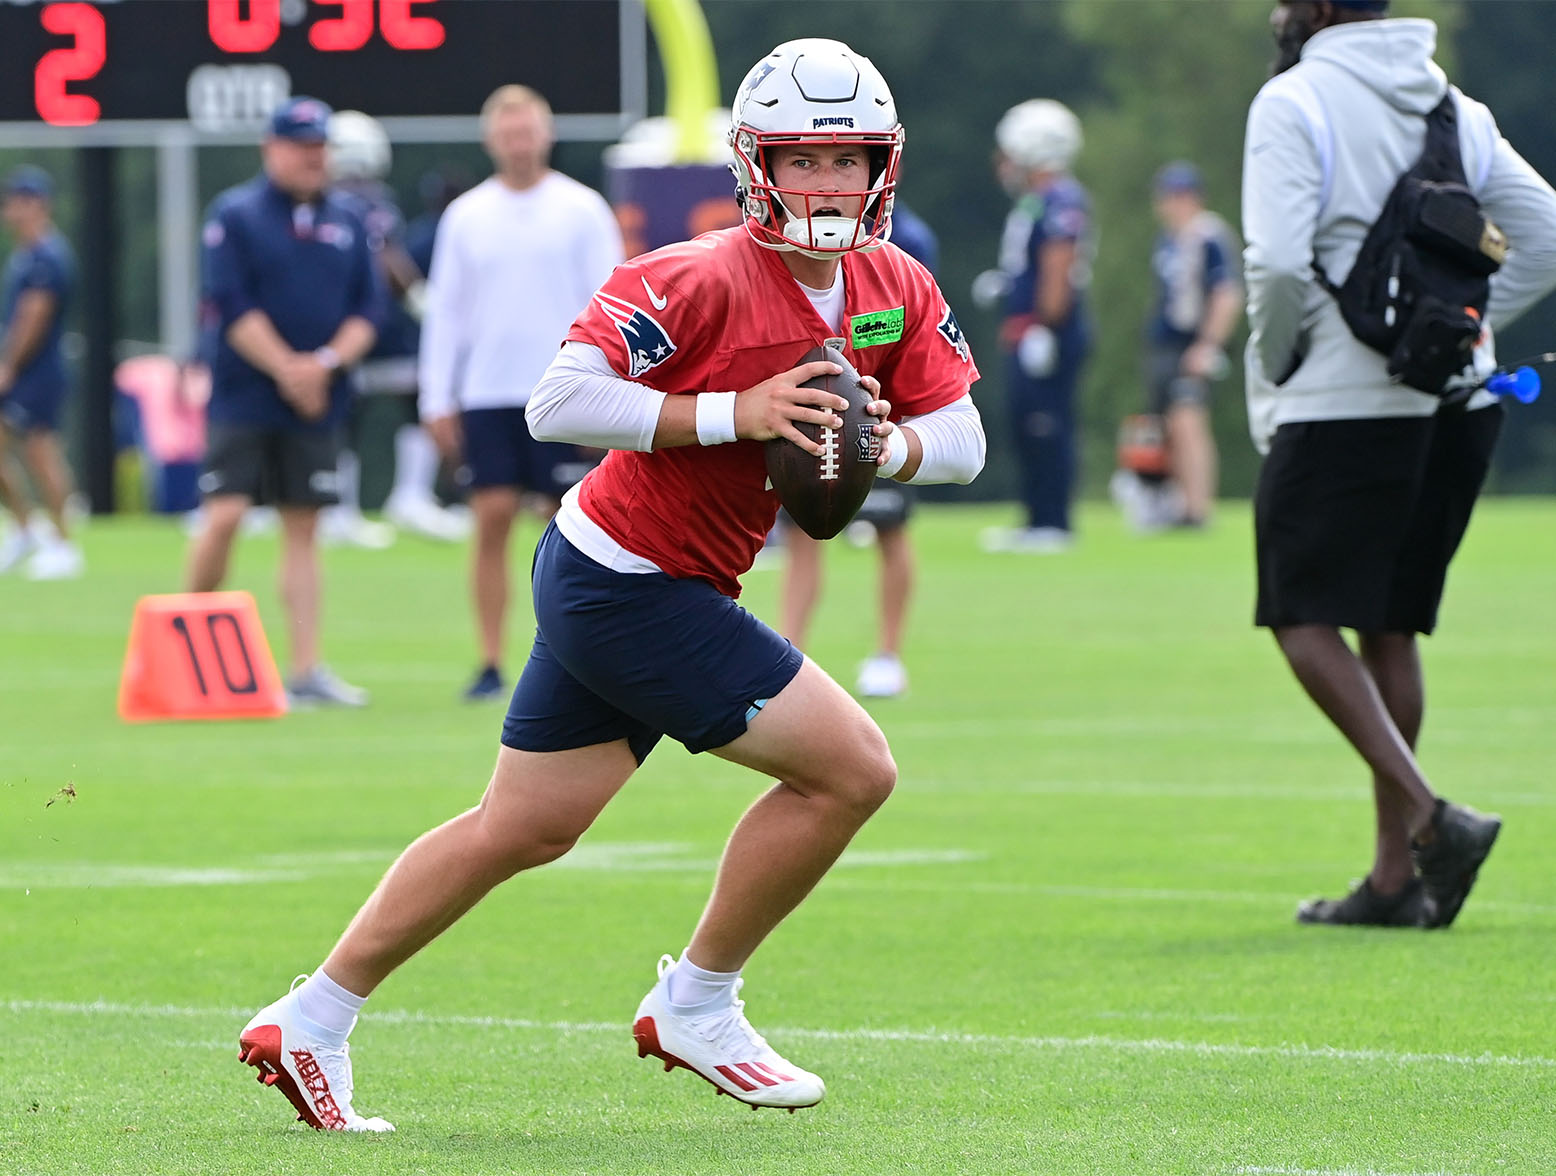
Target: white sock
[
  {"x": 415, "y": 462},
  {"x": 690, "y": 986},
  {"x": 328, "y": 1006}
]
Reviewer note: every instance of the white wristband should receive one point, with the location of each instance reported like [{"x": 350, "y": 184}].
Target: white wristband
[
  {"x": 896, "y": 458},
  {"x": 715, "y": 418}
]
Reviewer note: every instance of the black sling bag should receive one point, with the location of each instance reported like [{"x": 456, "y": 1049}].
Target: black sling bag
[{"x": 1418, "y": 290}]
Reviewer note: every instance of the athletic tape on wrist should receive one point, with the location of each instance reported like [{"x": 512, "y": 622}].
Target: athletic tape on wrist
[
  {"x": 715, "y": 418},
  {"x": 897, "y": 458}
]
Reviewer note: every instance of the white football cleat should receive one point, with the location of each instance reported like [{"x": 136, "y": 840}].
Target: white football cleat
[
  {"x": 718, "y": 1044},
  {"x": 316, "y": 1077}
]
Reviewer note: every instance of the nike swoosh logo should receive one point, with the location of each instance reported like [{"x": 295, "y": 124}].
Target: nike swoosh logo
[{"x": 659, "y": 303}]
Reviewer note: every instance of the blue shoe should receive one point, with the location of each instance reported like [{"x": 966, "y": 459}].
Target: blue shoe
[{"x": 488, "y": 684}]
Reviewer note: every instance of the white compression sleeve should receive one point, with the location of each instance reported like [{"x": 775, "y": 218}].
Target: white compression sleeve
[
  {"x": 953, "y": 443},
  {"x": 582, "y": 400}
]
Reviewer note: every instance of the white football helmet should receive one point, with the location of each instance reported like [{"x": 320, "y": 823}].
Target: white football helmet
[
  {"x": 814, "y": 91},
  {"x": 358, "y": 146},
  {"x": 1040, "y": 134}
]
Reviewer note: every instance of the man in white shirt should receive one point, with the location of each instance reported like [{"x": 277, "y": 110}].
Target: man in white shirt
[
  {"x": 1368, "y": 484},
  {"x": 517, "y": 258}
]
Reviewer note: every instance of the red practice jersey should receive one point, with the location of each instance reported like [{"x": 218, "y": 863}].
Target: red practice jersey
[{"x": 721, "y": 314}]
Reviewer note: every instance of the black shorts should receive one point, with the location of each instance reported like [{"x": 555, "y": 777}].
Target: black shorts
[
  {"x": 1356, "y": 521},
  {"x": 500, "y": 451},
  {"x": 1167, "y": 386},
  {"x": 888, "y": 505},
  {"x": 285, "y": 467}
]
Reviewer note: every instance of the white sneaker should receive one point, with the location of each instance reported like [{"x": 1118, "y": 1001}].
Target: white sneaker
[
  {"x": 717, "y": 1043},
  {"x": 261, "y": 520},
  {"x": 1027, "y": 540},
  {"x": 882, "y": 676},
  {"x": 316, "y": 1077},
  {"x": 421, "y": 515},
  {"x": 17, "y": 545},
  {"x": 321, "y": 686},
  {"x": 340, "y": 527},
  {"x": 860, "y": 534},
  {"x": 56, "y": 559}
]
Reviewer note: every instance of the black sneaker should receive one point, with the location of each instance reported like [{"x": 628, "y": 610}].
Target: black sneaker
[
  {"x": 1449, "y": 862},
  {"x": 1365, "y": 907},
  {"x": 488, "y": 684}
]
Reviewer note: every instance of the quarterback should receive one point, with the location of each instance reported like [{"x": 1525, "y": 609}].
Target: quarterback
[{"x": 682, "y": 365}]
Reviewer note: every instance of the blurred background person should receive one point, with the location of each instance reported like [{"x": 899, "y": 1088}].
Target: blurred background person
[
  {"x": 35, "y": 293},
  {"x": 360, "y": 156},
  {"x": 1045, "y": 256},
  {"x": 1199, "y": 299},
  {"x": 517, "y": 259},
  {"x": 1368, "y": 484},
  {"x": 438, "y": 189},
  {"x": 884, "y": 515},
  {"x": 292, "y": 298}
]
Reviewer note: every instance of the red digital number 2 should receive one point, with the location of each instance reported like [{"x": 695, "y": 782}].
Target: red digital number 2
[{"x": 59, "y": 67}]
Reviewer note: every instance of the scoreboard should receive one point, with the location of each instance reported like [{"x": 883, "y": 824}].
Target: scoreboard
[{"x": 221, "y": 66}]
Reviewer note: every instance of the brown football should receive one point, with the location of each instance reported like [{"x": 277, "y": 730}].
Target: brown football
[{"x": 822, "y": 494}]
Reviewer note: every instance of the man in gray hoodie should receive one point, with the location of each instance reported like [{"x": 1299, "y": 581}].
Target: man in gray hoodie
[{"x": 1368, "y": 485}]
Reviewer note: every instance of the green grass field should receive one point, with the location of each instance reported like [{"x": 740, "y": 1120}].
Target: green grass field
[{"x": 1065, "y": 946}]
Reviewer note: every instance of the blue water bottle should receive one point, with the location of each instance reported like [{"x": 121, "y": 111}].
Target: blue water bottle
[{"x": 1522, "y": 384}]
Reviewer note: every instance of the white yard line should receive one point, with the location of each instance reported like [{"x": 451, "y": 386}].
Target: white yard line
[
  {"x": 605, "y": 857},
  {"x": 1261, "y": 1171},
  {"x": 640, "y": 857},
  {"x": 1090, "y": 1043},
  {"x": 1490, "y": 797}
]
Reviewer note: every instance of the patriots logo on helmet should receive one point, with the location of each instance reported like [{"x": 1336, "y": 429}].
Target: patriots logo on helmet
[
  {"x": 648, "y": 344},
  {"x": 758, "y": 75},
  {"x": 953, "y": 334}
]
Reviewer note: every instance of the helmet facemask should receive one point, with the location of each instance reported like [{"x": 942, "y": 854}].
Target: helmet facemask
[{"x": 813, "y": 223}]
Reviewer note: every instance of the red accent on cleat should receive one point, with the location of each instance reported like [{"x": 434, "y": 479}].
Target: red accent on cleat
[
  {"x": 263, "y": 1043},
  {"x": 646, "y": 1034},
  {"x": 738, "y": 1079},
  {"x": 748, "y": 1068},
  {"x": 778, "y": 1074},
  {"x": 647, "y": 1037}
]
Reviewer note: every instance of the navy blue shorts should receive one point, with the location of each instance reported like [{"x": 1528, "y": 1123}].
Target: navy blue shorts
[
  {"x": 29, "y": 409},
  {"x": 499, "y": 451},
  {"x": 620, "y": 655}
]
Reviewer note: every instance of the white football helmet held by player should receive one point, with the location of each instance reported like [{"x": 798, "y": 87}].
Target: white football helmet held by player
[
  {"x": 358, "y": 147},
  {"x": 1040, "y": 134},
  {"x": 814, "y": 91}
]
